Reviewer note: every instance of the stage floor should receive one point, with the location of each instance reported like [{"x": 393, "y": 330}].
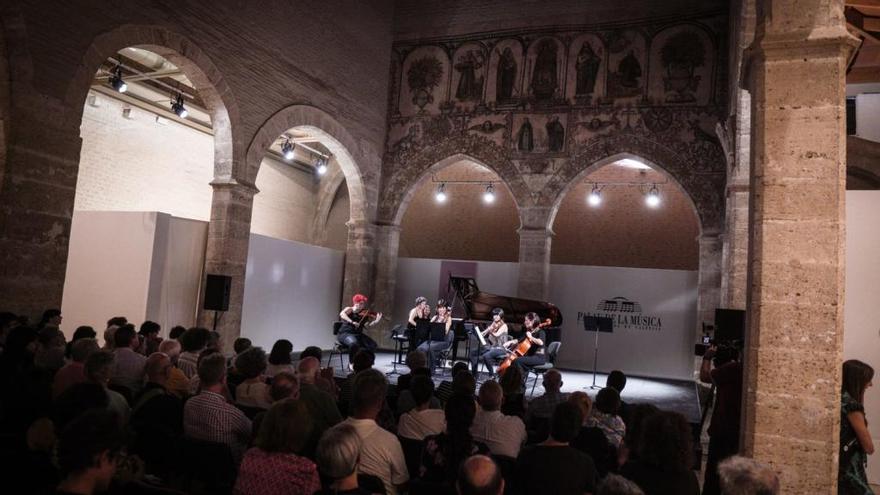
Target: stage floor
[{"x": 672, "y": 395}]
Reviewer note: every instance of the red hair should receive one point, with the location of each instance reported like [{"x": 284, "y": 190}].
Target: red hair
[{"x": 358, "y": 298}]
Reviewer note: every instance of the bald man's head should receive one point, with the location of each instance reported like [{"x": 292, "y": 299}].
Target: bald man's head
[
  {"x": 479, "y": 475},
  {"x": 308, "y": 369},
  {"x": 491, "y": 396}
]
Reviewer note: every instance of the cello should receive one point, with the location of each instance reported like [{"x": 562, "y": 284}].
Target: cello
[{"x": 521, "y": 349}]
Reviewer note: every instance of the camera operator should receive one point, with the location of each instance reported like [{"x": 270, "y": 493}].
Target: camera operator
[{"x": 722, "y": 368}]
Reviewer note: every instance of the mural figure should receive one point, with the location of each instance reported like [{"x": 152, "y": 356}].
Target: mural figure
[
  {"x": 544, "y": 81},
  {"x": 681, "y": 54},
  {"x": 506, "y": 76},
  {"x": 525, "y": 137},
  {"x": 627, "y": 81},
  {"x": 423, "y": 76},
  {"x": 555, "y": 134},
  {"x": 487, "y": 127},
  {"x": 586, "y": 67},
  {"x": 470, "y": 87}
]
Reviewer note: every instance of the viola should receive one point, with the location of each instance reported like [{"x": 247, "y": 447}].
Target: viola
[{"x": 521, "y": 349}]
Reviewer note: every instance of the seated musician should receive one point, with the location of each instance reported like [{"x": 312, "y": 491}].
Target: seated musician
[
  {"x": 421, "y": 312},
  {"x": 537, "y": 354},
  {"x": 434, "y": 348},
  {"x": 496, "y": 343},
  {"x": 355, "y": 318}
]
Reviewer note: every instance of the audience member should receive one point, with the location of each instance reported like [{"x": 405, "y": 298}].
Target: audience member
[
  {"x": 192, "y": 342},
  {"x": 73, "y": 372},
  {"x": 381, "y": 453},
  {"x": 855, "y": 438},
  {"x": 479, "y": 475},
  {"x": 542, "y": 407},
  {"x": 178, "y": 383},
  {"x": 157, "y": 415},
  {"x": 617, "y": 380},
  {"x": 208, "y": 416},
  {"x": 512, "y": 384},
  {"x": 78, "y": 398},
  {"x": 414, "y": 360},
  {"x": 81, "y": 332},
  {"x": 504, "y": 435},
  {"x": 406, "y": 401},
  {"x": 87, "y": 450},
  {"x": 240, "y": 345},
  {"x": 215, "y": 341},
  {"x": 110, "y": 338},
  {"x": 280, "y": 358},
  {"x": 338, "y": 455},
  {"x": 421, "y": 421},
  {"x": 614, "y": 484},
  {"x": 464, "y": 383},
  {"x": 51, "y": 318},
  {"x": 51, "y": 347},
  {"x": 176, "y": 332},
  {"x": 284, "y": 386},
  {"x": 444, "y": 452},
  {"x": 129, "y": 370},
  {"x": 629, "y": 450},
  {"x": 665, "y": 457},
  {"x": 362, "y": 360},
  {"x": 312, "y": 351},
  {"x": 98, "y": 370},
  {"x": 591, "y": 440},
  {"x": 274, "y": 465},
  {"x": 321, "y": 405},
  {"x": 149, "y": 335},
  {"x": 553, "y": 466},
  {"x": 117, "y": 321},
  {"x": 722, "y": 368},
  {"x": 744, "y": 476},
  {"x": 253, "y": 391},
  {"x": 605, "y": 416}
]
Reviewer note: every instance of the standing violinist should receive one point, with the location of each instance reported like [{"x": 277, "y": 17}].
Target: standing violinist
[
  {"x": 354, "y": 319},
  {"x": 496, "y": 340},
  {"x": 421, "y": 312},
  {"x": 537, "y": 354}
]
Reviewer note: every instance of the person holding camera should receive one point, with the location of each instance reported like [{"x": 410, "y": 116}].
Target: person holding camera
[{"x": 721, "y": 367}]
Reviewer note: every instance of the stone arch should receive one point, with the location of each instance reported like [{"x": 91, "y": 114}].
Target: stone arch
[
  {"x": 705, "y": 194},
  {"x": 326, "y": 199},
  {"x": 332, "y": 135},
  {"x": 195, "y": 63}
]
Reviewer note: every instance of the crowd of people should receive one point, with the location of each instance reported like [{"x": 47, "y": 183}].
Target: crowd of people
[{"x": 141, "y": 414}]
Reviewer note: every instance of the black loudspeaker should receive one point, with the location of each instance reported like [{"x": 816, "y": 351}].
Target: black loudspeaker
[
  {"x": 730, "y": 324},
  {"x": 217, "y": 289}
]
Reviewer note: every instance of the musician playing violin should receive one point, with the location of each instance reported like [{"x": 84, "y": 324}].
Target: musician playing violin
[
  {"x": 537, "y": 354},
  {"x": 354, "y": 319},
  {"x": 420, "y": 312},
  {"x": 433, "y": 348},
  {"x": 496, "y": 337}
]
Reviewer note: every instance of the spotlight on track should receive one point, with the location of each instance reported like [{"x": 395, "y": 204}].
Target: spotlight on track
[
  {"x": 440, "y": 195},
  {"x": 178, "y": 108},
  {"x": 489, "y": 195},
  {"x": 116, "y": 81},
  {"x": 595, "y": 196},
  {"x": 652, "y": 199},
  {"x": 287, "y": 149},
  {"x": 322, "y": 165}
]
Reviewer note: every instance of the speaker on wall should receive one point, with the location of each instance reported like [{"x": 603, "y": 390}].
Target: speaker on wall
[{"x": 217, "y": 288}]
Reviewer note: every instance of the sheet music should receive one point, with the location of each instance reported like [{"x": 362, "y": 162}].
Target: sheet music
[{"x": 480, "y": 335}]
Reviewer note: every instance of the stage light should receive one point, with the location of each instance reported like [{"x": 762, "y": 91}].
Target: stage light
[
  {"x": 178, "y": 108},
  {"x": 440, "y": 195},
  {"x": 287, "y": 149},
  {"x": 595, "y": 196},
  {"x": 322, "y": 165},
  {"x": 116, "y": 81},
  {"x": 652, "y": 199},
  {"x": 489, "y": 195}
]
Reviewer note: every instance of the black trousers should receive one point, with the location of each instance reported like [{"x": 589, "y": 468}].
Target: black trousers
[
  {"x": 720, "y": 447},
  {"x": 355, "y": 342}
]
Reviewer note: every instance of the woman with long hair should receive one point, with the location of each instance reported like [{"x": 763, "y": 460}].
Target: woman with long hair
[
  {"x": 444, "y": 453},
  {"x": 855, "y": 439}
]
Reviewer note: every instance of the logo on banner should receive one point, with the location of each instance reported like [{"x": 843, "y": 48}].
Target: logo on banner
[{"x": 625, "y": 314}]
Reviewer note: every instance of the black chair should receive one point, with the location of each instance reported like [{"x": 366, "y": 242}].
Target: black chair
[
  {"x": 208, "y": 466},
  {"x": 412, "y": 452},
  {"x": 401, "y": 347},
  {"x": 552, "y": 352},
  {"x": 371, "y": 483},
  {"x": 338, "y": 348}
]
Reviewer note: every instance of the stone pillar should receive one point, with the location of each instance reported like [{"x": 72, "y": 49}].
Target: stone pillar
[
  {"x": 360, "y": 264},
  {"x": 791, "y": 403},
  {"x": 387, "y": 249},
  {"x": 736, "y": 247},
  {"x": 37, "y": 191},
  {"x": 708, "y": 279},
  {"x": 534, "y": 263},
  {"x": 227, "y": 250}
]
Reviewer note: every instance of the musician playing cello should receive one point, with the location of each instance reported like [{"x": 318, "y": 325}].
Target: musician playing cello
[
  {"x": 537, "y": 353},
  {"x": 354, "y": 319}
]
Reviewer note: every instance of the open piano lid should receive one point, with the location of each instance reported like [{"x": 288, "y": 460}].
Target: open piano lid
[{"x": 478, "y": 306}]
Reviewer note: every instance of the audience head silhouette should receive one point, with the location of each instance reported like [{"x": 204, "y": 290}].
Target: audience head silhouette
[{"x": 479, "y": 475}]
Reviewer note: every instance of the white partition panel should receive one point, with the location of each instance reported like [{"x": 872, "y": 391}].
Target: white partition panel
[{"x": 292, "y": 291}]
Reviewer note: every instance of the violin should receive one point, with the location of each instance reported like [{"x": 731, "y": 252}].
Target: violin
[
  {"x": 366, "y": 315},
  {"x": 522, "y": 348}
]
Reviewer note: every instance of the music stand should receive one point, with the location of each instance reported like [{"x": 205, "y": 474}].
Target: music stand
[{"x": 597, "y": 324}]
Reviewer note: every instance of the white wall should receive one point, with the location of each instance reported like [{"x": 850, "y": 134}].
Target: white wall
[
  {"x": 861, "y": 311},
  {"x": 867, "y": 120},
  {"x": 292, "y": 291}
]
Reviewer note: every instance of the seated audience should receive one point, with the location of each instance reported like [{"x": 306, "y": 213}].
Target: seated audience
[
  {"x": 253, "y": 391},
  {"x": 87, "y": 450},
  {"x": 280, "y": 358},
  {"x": 215, "y": 341},
  {"x": 98, "y": 369},
  {"x": 362, "y": 360},
  {"x": 321, "y": 404},
  {"x": 149, "y": 336},
  {"x": 77, "y": 399},
  {"x": 444, "y": 390},
  {"x": 73, "y": 372},
  {"x": 629, "y": 450},
  {"x": 464, "y": 383},
  {"x": 381, "y": 453},
  {"x": 665, "y": 457},
  {"x": 614, "y": 484},
  {"x": 422, "y": 420},
  {"x": 479, "y": 475},
  {"x": 605, "y": 416},
  {"x": 81, "y": 332},
  {"x": 512, "y": 384},
  {"x": 591, "y": 440},
  {"x": 240, "y": 345},
  {"x": 208, "y": 416},
  {"x": 129, "y": 370},
  {"x": 744, "y": 476},
  {"x": 542, "y": 407},
  {"x": 178, "y": 383},
  {"x": 444, "y": 453},
  {"x": 51, "y": 318},
  {"x": 553, "y": 466},
  {"x": 415, "y": 360},
  {"x": 157, "y": 414},
  {"x": 192, "y": 342},
  {"x": 312, "y": 351},
  {"x": 406, "y": 402},
  {"x": 51, "y": 347},
  {"x": 617, "y": 380},
  {"x": 274, "y": 466},
  {"x": 504, "y": 435},
  {"x": 176, "y": 332},
  {"x": 284, "y": 386},
  {"x": 337, "y": 456}
]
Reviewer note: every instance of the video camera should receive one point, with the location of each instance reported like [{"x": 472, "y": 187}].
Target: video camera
[{"x": 727, "y": 335}]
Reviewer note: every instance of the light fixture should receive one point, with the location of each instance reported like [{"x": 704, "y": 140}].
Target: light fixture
[
  {"x": 595, "y": 196},
  {"x": 287, "y": 149},
  {"x": 116, "y": 81},
  {"x": 489, "y": 195},
  {"x": 440, "y": 195},
  {"x": 322, "y": 165},
  {"x": 652, "y": 199},
  {"x": 178, "y": 108}
]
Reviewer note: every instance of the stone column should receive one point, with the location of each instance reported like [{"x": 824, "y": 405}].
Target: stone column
[
  {"x": 227, "y": 250},
  {"x": 708, "y": 279},
  {"x": 736, "y": 247},
  {"x": 360, "y": 265},
  {"x": 534, "y": 263},
  {"x": 387, "y": 249},
  {"x": 791, "y": 403}
]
